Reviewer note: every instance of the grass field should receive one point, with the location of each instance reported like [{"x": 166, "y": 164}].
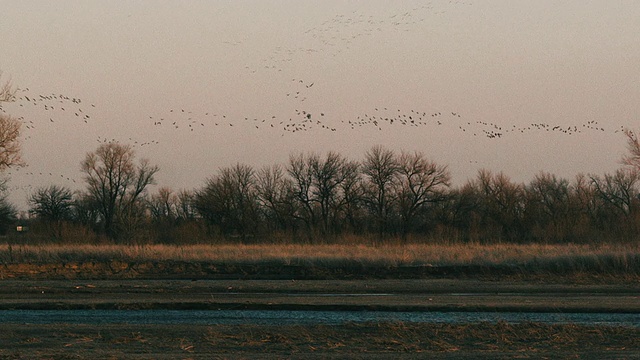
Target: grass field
[{"x": 553, "y": 258}]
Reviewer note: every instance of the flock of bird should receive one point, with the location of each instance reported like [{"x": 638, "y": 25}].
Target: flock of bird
[
  {"x": 342, "y": 32},
  {"x": 384, "y": 117},
  {"x": 59, "y": 107},
  {"x": 56, "y": 107}
]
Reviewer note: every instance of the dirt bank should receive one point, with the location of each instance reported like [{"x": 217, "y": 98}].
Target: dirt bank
[
  {"x": 265, "y": 271},
  {"x": 204, "y": 270}
]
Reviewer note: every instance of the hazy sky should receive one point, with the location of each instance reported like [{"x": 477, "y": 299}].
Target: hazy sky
[{"x": 207, "y": 84}]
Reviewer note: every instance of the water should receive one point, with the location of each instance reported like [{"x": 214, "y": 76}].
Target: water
[{"x": 275, "y": 317}]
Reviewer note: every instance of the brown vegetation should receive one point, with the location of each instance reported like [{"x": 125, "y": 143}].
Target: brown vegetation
[
  {"x": 353, "y": 340},
  {"x": 319, "y": 261}
]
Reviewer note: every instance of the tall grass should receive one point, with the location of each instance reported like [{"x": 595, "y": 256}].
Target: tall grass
[{"x": 533, "y": 256}]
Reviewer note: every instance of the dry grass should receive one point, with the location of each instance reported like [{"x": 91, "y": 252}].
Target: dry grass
[
  {"x": 352, "y": 340},
  {"x": 624, "y": 258}
]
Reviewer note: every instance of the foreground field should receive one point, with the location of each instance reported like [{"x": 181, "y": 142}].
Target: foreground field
[
  {"x": 380, "y": 340},
  {"x": 522, "y": 278},
  {"x": 349, "y": 341}
]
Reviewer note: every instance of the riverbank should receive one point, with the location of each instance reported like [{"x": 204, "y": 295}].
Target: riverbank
[{"x": 189, "y": 270}]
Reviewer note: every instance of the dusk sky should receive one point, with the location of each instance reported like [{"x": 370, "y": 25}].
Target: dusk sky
[{"x": 512, "y": 86}]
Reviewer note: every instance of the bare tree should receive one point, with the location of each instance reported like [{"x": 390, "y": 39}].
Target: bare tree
[
  {"x": 7, "y": 92},
  {"x": 8, "y": 211},
  {"x": 502, "y": 203},
  {"x": 619, "y": 190},
  {"x": 328, "y": 174},
  {"x": 550, "y": 194},
  {"x": 301, "y": 173},
  {"x": 185, "y": 209},
  {"x": 548, "y": 205},
  {"x": 116, "y": 184},
  {"x": 620, "y": 195},
  {"x": 10, "y": 144},
  {"x": 52, "y": 202},
  {"x": 584, "y": 199},
  {"x": 420, "y": 182},
  {"x": 351, "y": 195},
  {"x": 214, "y": 204},
  {"x": 380, "y": 168},
  {"x": 53, "y": 205},
  {"x": 163, "y": 204},
  {"x": 242, "y": 179},
  {"x": 173, "y": 216},
  {"x": 10, "y": 147},
  {"x": 275, "y": 195},
  {"x": 317, "y": 188},
  {"x": 586, "y": 208},
  {"x": 633, "y": 145},
  {"x": 460, "y": 212},
  {"x": 85, "y": 210},
  {"x": 228, "y": 201}
]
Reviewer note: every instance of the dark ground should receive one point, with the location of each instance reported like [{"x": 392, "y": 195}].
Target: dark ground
[
  {"x": 385, "y": 294},
  {"x": 349, "y": 341},
  {"x": 31, "y": 288}
]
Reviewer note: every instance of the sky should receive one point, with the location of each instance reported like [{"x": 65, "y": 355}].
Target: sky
[{"x": 511, "y": 86}]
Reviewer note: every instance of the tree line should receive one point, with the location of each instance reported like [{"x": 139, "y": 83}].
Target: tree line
[{"x": 324, "y": 198}]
